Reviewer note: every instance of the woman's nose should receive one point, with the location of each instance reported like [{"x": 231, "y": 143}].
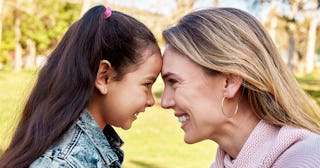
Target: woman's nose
[{"x": 167, "y": 100}]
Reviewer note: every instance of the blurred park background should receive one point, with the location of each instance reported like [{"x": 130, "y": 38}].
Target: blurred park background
[{"x": 30, "y": 29}]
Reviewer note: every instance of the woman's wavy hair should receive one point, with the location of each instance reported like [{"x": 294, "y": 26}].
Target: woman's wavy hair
[
  {"x": 229, "y": 40},
  {"x": 66, "y": 83}
]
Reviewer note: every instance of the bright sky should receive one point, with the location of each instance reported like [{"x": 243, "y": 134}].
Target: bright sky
[{"x": 167, "y": 6}]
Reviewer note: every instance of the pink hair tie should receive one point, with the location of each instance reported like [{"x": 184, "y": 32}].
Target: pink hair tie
[{"x": 107, "y": 13}]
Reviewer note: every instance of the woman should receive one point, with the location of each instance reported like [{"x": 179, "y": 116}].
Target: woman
[{"x": 227, "y": 83}]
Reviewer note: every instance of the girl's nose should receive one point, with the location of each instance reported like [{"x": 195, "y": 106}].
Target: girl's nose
[{"x": 150, "y": 101}]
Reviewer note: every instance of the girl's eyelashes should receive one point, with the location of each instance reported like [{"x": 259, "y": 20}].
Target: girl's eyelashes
[{"x": 148, "y": 84}]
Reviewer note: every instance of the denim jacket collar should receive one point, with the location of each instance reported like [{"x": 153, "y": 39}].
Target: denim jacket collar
[{"x": 90, "y": 127}]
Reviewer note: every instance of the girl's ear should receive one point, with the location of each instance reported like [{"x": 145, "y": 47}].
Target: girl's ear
[
  {"x": 104, "y": 73},
  {"x": 233, "y": 83}
]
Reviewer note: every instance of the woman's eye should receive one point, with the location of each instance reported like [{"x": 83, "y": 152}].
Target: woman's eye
[{"x": 172, "y": 81}]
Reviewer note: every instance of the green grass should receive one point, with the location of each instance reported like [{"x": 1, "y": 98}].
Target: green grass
[
  {"x": 155, "y": 139},
  {"x": 14, "y": 87},
  {"x": 311, "y": 84}
]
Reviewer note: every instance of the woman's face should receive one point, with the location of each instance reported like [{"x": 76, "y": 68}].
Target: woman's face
[
  {"x": 132, "y": 94},
  {"x": 194, "y": 96}
]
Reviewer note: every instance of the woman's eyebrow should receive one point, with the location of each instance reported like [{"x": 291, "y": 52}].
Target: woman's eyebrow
[{"x": 167, "y": 74}]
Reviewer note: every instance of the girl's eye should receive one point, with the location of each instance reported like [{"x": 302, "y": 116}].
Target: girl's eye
[{"x": 148, "y": 85}]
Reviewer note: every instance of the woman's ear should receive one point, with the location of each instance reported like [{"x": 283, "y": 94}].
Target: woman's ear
[
  {"x": 233, "y": 83},
  {"x": 104, "y": 73}
]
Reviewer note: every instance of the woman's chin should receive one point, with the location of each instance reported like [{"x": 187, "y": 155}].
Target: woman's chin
[{"x": 190, "y": 140}]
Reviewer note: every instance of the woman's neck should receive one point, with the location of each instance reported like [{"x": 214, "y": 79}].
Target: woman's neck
[{"x": 237, "y": 132}]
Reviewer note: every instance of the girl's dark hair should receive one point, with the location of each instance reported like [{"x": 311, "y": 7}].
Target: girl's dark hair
[{"x": 66, "y": 83}]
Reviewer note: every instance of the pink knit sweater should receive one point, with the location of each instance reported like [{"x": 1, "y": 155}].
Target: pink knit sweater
[{"x": 276, "y": 147}]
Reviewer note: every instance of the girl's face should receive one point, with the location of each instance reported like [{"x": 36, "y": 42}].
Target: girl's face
[
  {"x": 132, "y": 94},
  {"x": 194, "y": 96}
]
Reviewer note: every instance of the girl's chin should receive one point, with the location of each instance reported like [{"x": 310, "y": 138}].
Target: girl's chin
[{"x": 126, "y": 126}]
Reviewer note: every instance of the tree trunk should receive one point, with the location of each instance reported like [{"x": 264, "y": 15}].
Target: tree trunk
[
  {"x": 85, "y": 6},
  {"x": 291, "y": 31},
  {"x": 1, "y": 6},
  {"x": 274, "y": 13},
  {"x": 31, "y": 55},
  {"x": 311, "y": 41},
  {"x": 17, "y": 30},
  {"x": 183, "y": 7},
  {"x": 292, "y": 47},
  {"x": 292, "y": 42},
  {"x": 273, "y": 26},
  {"x": 215, "y": 3}
]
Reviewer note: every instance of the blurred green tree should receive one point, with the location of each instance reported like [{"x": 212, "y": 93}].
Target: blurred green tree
[{"x": 41, "y": 24}]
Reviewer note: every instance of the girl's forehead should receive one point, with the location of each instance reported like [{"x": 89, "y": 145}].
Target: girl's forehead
[{"x": 146, "y": 58}]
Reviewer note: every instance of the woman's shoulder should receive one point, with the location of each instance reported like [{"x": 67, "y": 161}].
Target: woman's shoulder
[
  {"x": 299, "y": 140},
  {"x": 297, "y": 135},
  {"x": 304, "y": 150}
]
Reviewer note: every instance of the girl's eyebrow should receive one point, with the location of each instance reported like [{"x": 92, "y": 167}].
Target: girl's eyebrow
[{"x": 151, "y": 78}]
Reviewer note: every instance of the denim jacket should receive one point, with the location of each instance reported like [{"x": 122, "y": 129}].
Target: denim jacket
[{"x": 84, "y": 145}]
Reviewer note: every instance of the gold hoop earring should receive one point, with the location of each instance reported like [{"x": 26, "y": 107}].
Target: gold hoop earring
[{"x": 235, "y": 111}]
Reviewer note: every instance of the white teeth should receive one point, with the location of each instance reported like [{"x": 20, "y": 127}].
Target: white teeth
[
  {"x": 136, "y": 114},
  {"x": 183, "y": 118}
]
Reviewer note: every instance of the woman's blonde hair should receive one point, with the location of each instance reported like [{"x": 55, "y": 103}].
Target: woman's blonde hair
[{"x": 229, "y": 40}]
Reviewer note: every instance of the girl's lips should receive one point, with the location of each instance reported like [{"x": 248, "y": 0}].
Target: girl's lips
[{"x": 137, "y": 113}]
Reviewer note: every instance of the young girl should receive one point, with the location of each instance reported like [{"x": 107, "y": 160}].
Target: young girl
[{"x": 100, "y": 75}]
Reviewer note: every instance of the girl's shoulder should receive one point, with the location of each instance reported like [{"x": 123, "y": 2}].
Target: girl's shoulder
[{"x": 74, "y": 149}]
